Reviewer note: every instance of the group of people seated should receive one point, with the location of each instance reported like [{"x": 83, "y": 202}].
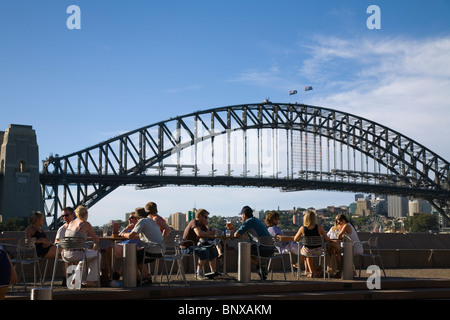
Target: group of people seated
[
  {"x": 145, "y": 227},
  {"x": 342, "y": 228},
  {"x": 197, "y": 231}
]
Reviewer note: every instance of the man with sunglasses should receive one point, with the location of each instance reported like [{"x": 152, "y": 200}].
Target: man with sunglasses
[{"x": 67, "y": 215}]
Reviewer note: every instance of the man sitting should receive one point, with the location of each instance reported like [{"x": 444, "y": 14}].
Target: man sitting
[
  {"x": 254, "y": 226},
  {"x": 196, "y": 230}
]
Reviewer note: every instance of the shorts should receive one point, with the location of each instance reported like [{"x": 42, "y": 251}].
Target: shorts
[
  {"x": 149, "y": 257},
  {"x": 311, "y": 252},
  {"x": 203, "y": 252}
]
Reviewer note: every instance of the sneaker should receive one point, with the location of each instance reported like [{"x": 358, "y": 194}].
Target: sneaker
[
  {"x": 201, "y": 276},
  {"x": 116, "y": 284}
]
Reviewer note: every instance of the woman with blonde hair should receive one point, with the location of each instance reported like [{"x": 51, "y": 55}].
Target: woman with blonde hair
[
  {"x": 82, "y": 228},
  {"x": 311, "y": 228},
  {"x": 44, "y": 247}
]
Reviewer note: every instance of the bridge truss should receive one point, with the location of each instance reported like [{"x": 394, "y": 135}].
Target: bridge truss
[{"x": 288, "y": 146}]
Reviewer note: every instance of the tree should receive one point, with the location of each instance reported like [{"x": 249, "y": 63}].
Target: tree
[
  {"x": 14, "y": 224},
  {"x": 422, "y": 222}
]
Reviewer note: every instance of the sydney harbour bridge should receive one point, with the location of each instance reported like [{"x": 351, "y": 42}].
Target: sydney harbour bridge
[{"x": 288, "y": 146}]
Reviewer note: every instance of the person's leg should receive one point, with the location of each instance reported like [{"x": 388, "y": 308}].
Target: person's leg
[
  {"x": 93, "y": 260},
  {"x": 203, "y": 257},
  {"x": 108, "y": 260},
  {"x": 212, "y": 256}
]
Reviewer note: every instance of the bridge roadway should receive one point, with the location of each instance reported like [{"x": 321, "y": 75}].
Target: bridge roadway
[
  {"x": 400, "y": 284},
  {"x": 153, "y": 181}
]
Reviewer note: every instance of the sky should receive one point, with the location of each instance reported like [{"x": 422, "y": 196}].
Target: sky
[{"x": 133, "y": 63}]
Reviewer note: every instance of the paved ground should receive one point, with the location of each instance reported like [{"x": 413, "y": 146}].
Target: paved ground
[{"x": 392, "y": 275}]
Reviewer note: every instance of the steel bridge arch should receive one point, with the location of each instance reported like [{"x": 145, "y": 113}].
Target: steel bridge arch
[{"x": 400, "y": 165}]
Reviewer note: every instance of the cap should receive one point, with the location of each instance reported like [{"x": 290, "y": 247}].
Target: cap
[
  {"x": 140, "y": 213},
  {"x": 247, "y": 211},
  {"x": 151, "y": 208}
]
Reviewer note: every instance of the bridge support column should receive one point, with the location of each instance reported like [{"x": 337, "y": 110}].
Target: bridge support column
[{"x": 20, "y": 191}]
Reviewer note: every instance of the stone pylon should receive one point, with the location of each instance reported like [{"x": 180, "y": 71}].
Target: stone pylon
[{"x": 20, "y": 190}]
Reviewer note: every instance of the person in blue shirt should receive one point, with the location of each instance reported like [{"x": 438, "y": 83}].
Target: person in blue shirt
[{"x": 253, "y": 226}]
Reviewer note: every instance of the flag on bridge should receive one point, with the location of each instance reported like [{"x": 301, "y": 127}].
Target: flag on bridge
[
  {"x": 309, "y": 88},
  {"x": 292, "y": 92}
]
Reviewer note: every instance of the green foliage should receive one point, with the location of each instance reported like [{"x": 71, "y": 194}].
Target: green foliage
[
  {"x": 219, "y": 222},
  {"x": 421, "y": 223},
  {"x": 14, "y": 224},
  {"x": 285, "y": 222}
]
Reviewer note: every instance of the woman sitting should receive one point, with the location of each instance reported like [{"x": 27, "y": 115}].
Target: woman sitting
[
  {"x": 44, "y": 247},
  {"x": 82, "y": 228},
  {"x": 311, "y": 228}
]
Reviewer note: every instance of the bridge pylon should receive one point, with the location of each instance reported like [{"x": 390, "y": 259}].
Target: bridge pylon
[{"x": 20, "y": 191}]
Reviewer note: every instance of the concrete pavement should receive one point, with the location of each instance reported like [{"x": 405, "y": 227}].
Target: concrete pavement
[{"x": 401, "y": 284}]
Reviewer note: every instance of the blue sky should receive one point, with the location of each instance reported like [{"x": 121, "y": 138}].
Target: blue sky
[{"x": 134, "y": 63}]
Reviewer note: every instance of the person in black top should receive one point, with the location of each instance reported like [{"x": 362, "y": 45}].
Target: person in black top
[
  {"x": 311, "y": 228},
  {"x": 44, "y": 247}
]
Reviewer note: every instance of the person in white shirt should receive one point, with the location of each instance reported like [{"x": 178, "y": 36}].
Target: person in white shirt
[
  {"x": 67, "y": 215},
  {"x": 148, "y": 232}
]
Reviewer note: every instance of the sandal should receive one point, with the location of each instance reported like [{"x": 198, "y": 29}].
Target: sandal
[
  {"x": 90, "y": 284},
  {"x": 146, "y": 281}
]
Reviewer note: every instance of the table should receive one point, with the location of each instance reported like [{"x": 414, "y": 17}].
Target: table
[
  {"x": 286, "y": 238},
  {"x": 113, "y": 238},
  {"x": 225, "y": 238}
]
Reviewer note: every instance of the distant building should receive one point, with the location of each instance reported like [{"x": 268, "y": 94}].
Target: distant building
[
  {"x": 352, "y": 208},
  {"x": 359, "y": 196},
  {"x": 397, "y": 206},
  {"x": 297, "y": 219},
  {"x": 418, "y": 206},
  {"x": 178, "y": 221},
  {"x": 379, "y": 207},
  {"x": 363, "y": 208},
  {"x": 190, "y": 214}
]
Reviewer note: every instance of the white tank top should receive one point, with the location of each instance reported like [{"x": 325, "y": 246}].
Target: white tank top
[{"x": 357, "y": 246}]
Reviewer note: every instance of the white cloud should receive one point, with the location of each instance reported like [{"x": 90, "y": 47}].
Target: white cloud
[
  {"x": 400, "y": 83},
  {"x": 397, "y": 81}
]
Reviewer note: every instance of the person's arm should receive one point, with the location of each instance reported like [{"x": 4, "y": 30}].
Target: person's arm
[
  {"x": 91, "y": 233},
  {"x": 131, "y": 235},
  {"x": 29, "y": 233},
  {"x": 344, "y": 230},
  {"x": 299, "y": 235},
  {"x": 204, "y": 234},
  {"x": 13, "y": 278},
  {"x": 241, "y": 231},
  {"x": 163, "y": 226},
  {"x": 127, "y": 229},
  {"x": 323, "y": 234}
]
